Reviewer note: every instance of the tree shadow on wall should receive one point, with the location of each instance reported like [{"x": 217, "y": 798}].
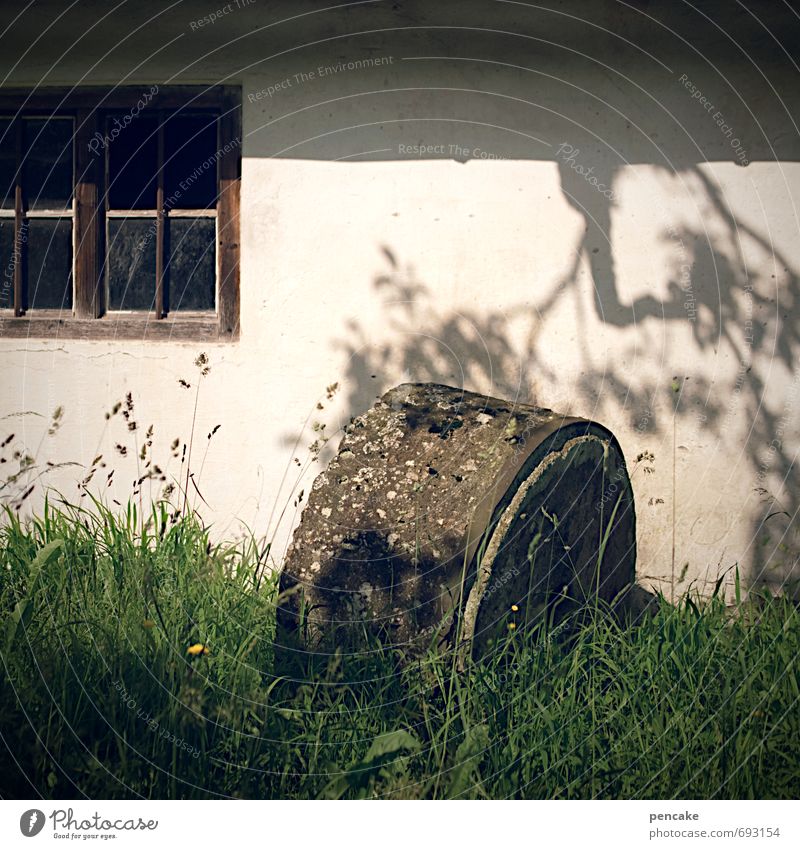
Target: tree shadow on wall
[
  {"x": 730, "y": 303},
  {"x": 744, "y": 307}
]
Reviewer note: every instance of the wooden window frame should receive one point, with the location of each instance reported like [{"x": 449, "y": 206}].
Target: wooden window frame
[{"x": 89, "y": 318}]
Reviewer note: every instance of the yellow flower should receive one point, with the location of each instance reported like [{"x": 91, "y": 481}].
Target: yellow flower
[
  {"x": 197, "y": 648},
  {"x": 514, "y": 608},
  {"x": 512, "y": 626}
]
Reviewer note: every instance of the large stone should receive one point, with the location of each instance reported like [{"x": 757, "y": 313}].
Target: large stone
[{"x": 449, "y": 517}]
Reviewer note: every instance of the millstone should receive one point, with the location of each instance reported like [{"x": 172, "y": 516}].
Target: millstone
[{"x": 448, "y": 516}]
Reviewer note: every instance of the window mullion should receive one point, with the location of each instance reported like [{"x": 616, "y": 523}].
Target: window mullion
[
  {"x": 159, "y": 300},
  {"x": 229, "y": 184},
  {"x": 20, "y": 225},
  {"x": 88, "y": 295}
]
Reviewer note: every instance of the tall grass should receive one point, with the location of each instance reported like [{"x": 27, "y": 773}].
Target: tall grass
[{"x": 138, "y": 660}]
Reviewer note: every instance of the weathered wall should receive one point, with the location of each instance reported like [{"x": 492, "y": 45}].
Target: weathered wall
[{"x": 489, "y": 261}]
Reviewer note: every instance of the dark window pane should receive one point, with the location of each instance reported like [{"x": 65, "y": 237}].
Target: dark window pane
[
  {"x": 191, "y": 248},
  {"x": 190, "y": 161},
  {"x": 132, "y": 145},
  {"x": 131, "y": 263},
  {"x": 49, "y": 263},
  {"x": 7, "y": 262},
  {"x": 47, "y": 169},
  {"x": 8, "y": 163}
]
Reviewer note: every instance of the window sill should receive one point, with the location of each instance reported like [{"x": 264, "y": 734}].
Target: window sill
[{"x": 183, "y": 327}]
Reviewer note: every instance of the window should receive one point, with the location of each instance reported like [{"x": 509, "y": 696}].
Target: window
[
  {"x": 40, "y": 243},
  {"x": 119, "y": 212}
]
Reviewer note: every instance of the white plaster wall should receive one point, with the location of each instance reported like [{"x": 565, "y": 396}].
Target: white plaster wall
[{"x": 364, "y": 265}]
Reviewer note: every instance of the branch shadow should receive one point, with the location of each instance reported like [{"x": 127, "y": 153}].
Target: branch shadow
[{"x": 727, "y": 298}]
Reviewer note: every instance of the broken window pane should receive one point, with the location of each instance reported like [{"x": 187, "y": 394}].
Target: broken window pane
[
  {"x": 191, "y": 249},
  {"x": 131, "y": 258},
  {"x": 132, "y": 145},
  {"x": 49, "y": 263},
  {"x": 47, "y": 167}
]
